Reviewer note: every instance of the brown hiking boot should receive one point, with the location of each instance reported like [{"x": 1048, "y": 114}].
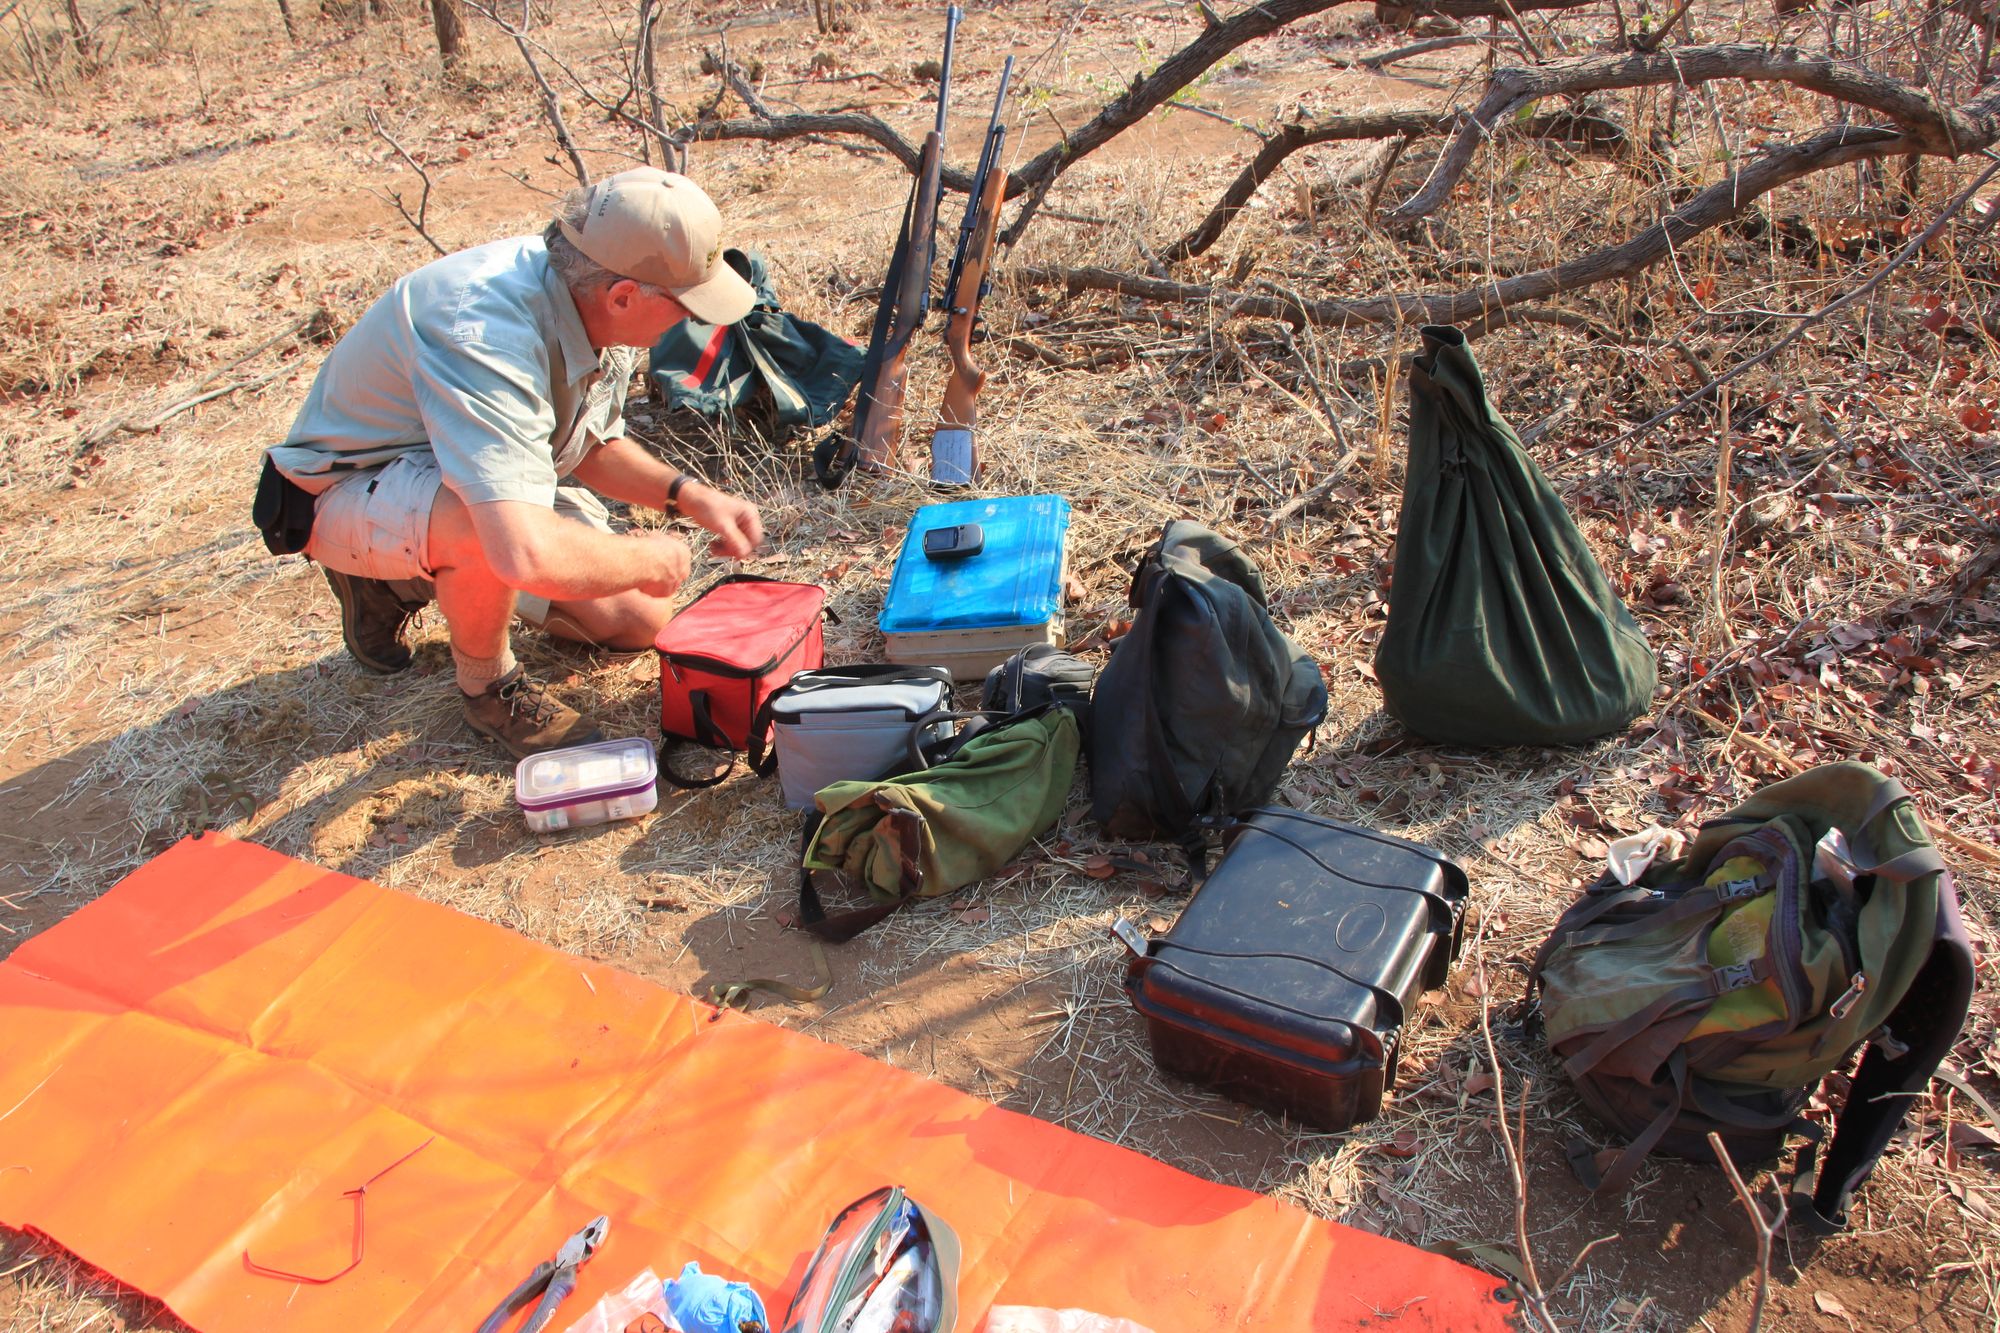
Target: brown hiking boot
[
  {"x": 374, "y": 621},
  {"x": 519, "y": 713}
]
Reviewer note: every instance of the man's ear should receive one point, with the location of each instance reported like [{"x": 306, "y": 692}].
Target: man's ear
[{"x": 620, "y": 294}]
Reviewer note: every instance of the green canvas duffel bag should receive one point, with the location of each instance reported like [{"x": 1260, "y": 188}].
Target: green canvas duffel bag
[{"x": 929, "y": 832}]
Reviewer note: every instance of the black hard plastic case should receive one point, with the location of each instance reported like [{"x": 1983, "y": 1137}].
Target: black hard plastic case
[{"x": 1287, "y": 980}]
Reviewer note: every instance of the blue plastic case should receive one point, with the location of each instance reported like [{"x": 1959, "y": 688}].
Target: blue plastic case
[{"x": 973, "y": 612}]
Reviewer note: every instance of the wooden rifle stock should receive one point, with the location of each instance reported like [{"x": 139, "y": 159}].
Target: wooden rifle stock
[
  {"x": 878, "y": 417},
  {"x": 961, "y": 392},
  {"x": 954, "y": 455},
  {"x": 876, "y": 437}
]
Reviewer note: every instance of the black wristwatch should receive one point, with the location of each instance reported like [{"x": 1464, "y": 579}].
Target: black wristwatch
[{"x": 674, "y": 490}]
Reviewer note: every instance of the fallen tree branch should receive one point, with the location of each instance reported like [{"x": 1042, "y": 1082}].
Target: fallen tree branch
[
  {"x": 1382, "y": 59},
  {"x": 1835, "y": 146},
  {"x": 1927, "y": 125},
  {"x": 1798, "y": 330},
  {"x": 1591, "y": 134},
  {"x": 1403, "y": 123},
  {"x": 1188, "y": 64}
]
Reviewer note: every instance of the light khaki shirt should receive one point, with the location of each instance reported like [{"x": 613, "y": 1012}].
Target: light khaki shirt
[{"x": 479, "y": 359}]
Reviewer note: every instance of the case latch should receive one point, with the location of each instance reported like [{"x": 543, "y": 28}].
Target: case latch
[{"x": 1131, "y": 937}]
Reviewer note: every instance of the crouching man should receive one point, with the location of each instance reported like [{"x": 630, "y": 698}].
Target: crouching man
[{"x": 440, "y": 446}]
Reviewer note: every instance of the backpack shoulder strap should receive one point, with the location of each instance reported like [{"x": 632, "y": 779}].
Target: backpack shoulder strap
[{"x": 1924, "y": 1025}]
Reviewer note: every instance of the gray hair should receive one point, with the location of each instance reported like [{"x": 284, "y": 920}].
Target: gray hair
[{"x": 583, "y": 275}]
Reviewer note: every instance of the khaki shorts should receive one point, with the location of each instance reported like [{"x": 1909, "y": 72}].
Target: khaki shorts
[{"x": 377, "y": 525}]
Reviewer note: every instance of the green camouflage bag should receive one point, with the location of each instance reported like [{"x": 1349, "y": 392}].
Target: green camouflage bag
[
  {"x": 1718, "y": 990},
  {"x": 787, "y": 372},
  {"x": 939, "y": 829}
]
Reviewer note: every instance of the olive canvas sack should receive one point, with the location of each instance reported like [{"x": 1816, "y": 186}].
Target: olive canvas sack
[
  {"x": 1719, "y": 989},
  {"x": 1502, "y": 628},
  {"x": 1204, "y": 700},
  {"x": 928, "y": 832}
]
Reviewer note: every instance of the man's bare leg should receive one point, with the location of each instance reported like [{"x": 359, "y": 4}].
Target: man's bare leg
[
  {"x": 478, "y": 608},
  {"x": 624, "y": 622}
]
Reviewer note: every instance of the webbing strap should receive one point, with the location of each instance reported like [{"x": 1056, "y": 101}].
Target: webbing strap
[
  {"x": 1696, "y": 902},
  {"x": 706, "y": 733},
  {"x": 736, "y": 995},
  {"x": 1719, "y": 981},
  {"x": 1620, "y": 1175}
]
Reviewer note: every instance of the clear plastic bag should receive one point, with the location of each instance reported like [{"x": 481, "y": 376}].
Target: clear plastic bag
[
  {"x": 626, "y": 1311},
  {"x": 1034, "y": 1319}
]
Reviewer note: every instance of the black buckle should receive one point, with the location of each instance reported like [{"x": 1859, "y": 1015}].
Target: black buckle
[
  {"x": 1735, "y": 976},
  {"x": 1736, "y": 890}
]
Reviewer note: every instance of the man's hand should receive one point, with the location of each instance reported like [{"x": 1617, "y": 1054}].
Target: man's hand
[
  {"x": 734, "y": 521},
  {"x": 667, "y": 560}
]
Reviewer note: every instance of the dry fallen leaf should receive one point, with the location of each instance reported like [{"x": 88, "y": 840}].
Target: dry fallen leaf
[
  {"x": 1403, "y": 1145},
  {"x": 1828, "y": 1305},
  {"x": 1099, "y": 866}
]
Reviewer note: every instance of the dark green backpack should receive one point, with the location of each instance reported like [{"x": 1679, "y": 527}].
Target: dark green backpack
[
  {"x": 1203, "y": 702},
  {"x": 786, "y": 372},
  {"x": 1716, "y": 992},
  {"x": 1502, "y": 629}
]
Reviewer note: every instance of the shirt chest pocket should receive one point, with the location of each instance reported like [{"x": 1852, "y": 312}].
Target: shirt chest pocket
[{"x": 598, "y": 404}]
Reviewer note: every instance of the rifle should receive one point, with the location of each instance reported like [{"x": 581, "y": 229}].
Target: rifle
[
  {"x": 954, "y": 459},
  {"x": 876, "y": 435}
]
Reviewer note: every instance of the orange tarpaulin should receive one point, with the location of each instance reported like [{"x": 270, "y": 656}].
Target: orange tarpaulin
[{"x": 197, "y": 1065}]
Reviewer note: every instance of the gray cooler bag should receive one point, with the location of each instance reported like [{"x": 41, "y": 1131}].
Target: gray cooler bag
[{"x": 845, "y": 723}]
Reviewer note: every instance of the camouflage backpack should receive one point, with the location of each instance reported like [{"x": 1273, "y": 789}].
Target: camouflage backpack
[{"x": 1717, "y": 991}]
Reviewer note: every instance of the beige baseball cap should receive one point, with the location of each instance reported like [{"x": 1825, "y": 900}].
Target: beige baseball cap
[{"x": 661, "y": 228}]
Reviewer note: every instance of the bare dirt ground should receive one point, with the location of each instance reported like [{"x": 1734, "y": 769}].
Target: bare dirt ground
[{"x": 203, "y": 202}]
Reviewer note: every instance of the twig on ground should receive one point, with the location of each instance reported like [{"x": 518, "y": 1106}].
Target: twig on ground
[
  {"x": 1975, "y": 850},
  {"x": 202, "y": 392},
  {"x": 417, "y": 220},
  {"x": 1766, "y": 1230},
  {"x": 1532, "y": 1296},
  {"x": 551, "y": 104}
]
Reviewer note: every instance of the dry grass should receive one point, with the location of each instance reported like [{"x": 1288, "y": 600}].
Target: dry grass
[{"x": 200, "y": 187}]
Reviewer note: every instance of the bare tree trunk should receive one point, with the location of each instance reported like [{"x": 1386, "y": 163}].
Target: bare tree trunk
[
  {"x": 78, "y": 32},
  {"x": 450, "y": 26},
  {"x": 285, "y": 13}
]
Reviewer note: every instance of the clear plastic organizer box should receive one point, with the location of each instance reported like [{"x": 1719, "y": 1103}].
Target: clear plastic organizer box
[{"x": 587, "y": 784}]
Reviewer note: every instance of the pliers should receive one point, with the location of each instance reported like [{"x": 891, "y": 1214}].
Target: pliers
[{"x": 553, "y": 1280}]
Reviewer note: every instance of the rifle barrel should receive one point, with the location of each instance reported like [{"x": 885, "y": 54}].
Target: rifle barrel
[
  {"x": 951, "y": 17},
  {"x": 989, "y": 160}
]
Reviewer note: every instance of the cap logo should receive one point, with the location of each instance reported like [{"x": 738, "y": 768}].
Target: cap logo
[{"x": 714, "y": 253}]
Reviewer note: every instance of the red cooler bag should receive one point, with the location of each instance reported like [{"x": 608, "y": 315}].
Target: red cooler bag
[{"x": 740, "y": 638}]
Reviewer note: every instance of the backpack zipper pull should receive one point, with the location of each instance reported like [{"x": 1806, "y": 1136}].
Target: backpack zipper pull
[{"x": 1849, "y": 997}]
